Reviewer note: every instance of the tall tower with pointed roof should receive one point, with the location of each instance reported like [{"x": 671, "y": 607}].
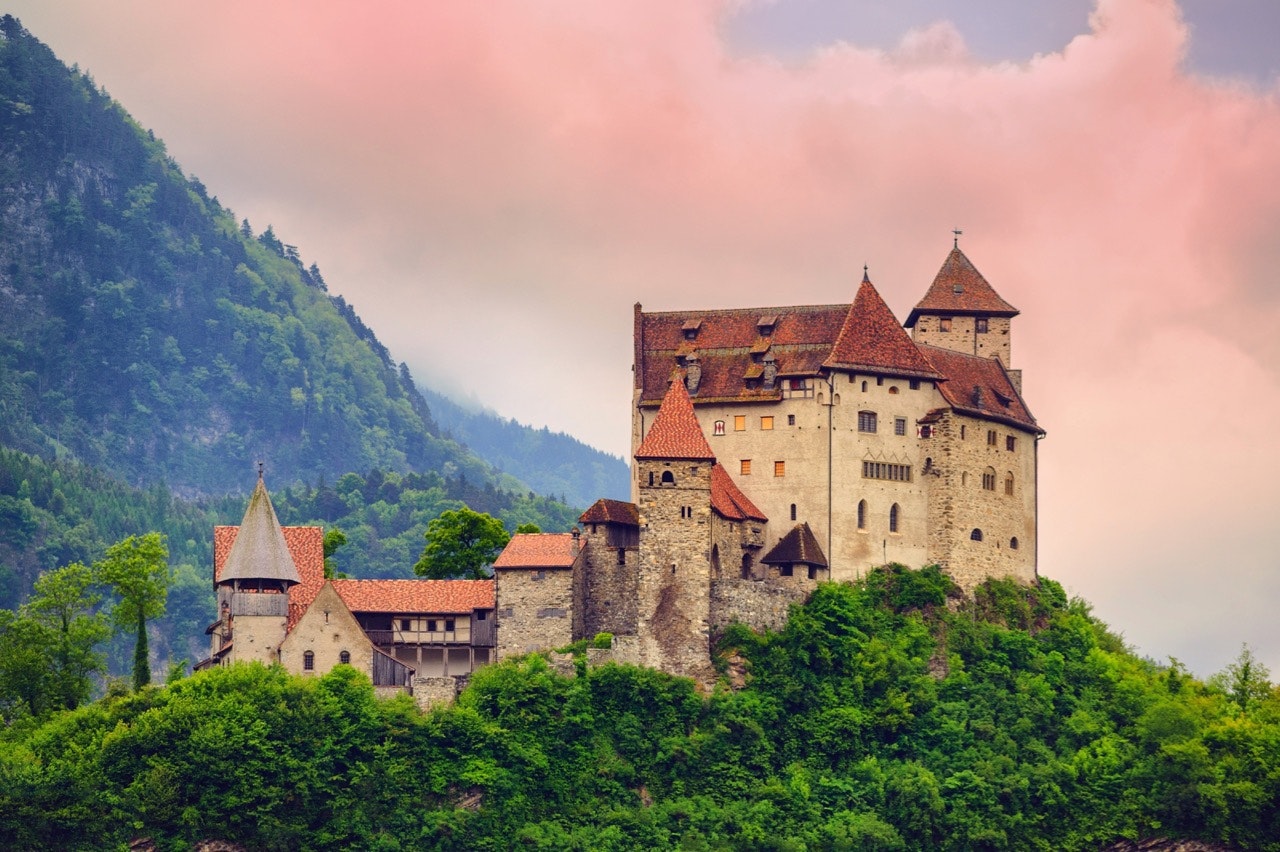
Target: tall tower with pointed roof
[
  {"x": 673, "y": 467},
  {"x": 253, "y": 586},
  {"x": 963, "y": 313}
]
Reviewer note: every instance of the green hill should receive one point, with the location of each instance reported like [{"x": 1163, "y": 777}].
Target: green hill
[
  {"x": 145, "y": 331},
  {"x": 886, "y": 716}
]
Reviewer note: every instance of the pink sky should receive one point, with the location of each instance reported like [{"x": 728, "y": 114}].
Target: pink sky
[{"x": 493, "y": 186}]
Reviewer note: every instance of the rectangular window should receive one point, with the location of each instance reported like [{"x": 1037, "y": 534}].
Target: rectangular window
[
  {"x": 718, "y": 427},
  {"x": 991, "y": 437},
  {"x": 914, "y": 384},
  {"x": 779, "y": 468},
  {"x": 989, "y": 481},
  {"x": 740, "y": 423},
  {"x": 885, "y": 470},
  {"x": 944, "y": 323},
  {"x": 791, "y": 420},
  {"x": 899, "y": 425},
  {"x": 961, "y": 431},
  {"x": 1010, "y": 443},
  {"x": 866, "y": 421},
  {"x": 431, "y": 625},
  {"x": 449, "y": 625},
  {"x": 980, "y": 325},
  {"x": 797, "y": 388},
  {"x": 925, "y": 431},
  {"x": 406, "y": 624},
  {"x": 745, "y": 468},
  {"x": 766, "y": 424}
]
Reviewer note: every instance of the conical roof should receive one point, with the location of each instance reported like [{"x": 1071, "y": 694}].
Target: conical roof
[
  {"x": 260, "y": 551},
  {"x": 871, "y": 340},
  {"x": 675, "y": 433},
  {"x": 799, "y": 546},
  {"x": 959, "y": 288}
]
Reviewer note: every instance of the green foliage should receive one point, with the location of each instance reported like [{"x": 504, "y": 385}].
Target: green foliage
[
  {"x": 137, "y": 571},
  {"x": 461, "y": 543}
]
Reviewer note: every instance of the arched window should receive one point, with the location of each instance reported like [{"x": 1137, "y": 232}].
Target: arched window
[
  {"x": 1008, "y": 483},
  {"x": 866, "y": 421},
  {"x": 1013, "y": 543},
  {"x": 862, "y": 514},
  {"x": 864, "y": 387},
  {"x": 668, "y": 478},
  {"x": 976, "y": 535},
  {"x": 793, "y": 511},
  {"x": 308, "y": 661},
  {"x": 893, "y": 518},
  {"x": 345, "y": 658},
  {"x": 989, "y": 479}
]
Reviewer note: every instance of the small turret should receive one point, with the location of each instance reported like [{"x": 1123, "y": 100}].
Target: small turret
[
  {"x": 963, "y": 313},
  {"x": 253, "y": 586}
]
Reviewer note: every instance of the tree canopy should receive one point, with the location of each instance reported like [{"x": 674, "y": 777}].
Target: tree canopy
[
  {"x": 461, "y": 544},
  {"x": 137, "y": 571}
]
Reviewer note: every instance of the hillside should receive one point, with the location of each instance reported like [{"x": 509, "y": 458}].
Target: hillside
[
  {"x": 145, "y": 331},
  {"x": 549, "y": 462},
  {"x": 886, "y": 716}
]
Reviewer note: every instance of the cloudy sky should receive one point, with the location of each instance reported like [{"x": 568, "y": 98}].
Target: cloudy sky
[{"x": 493, "y": 185}]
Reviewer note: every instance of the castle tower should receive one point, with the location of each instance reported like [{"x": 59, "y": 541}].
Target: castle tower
[
  {"x": 963, "y": 313},
  {"x": 253, "y": 588},
  {"x": 673, "y": 483}
]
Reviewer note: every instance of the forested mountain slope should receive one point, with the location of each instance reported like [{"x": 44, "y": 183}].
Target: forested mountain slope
[
  {"x": 552, "y": 463},
  {"x": 143, "y": 330}
]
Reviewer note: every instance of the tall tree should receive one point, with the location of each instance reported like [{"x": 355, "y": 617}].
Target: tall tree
[
  {"x": 461, "y": 543},
  {"x": 137, "y": 570},
  {"x": 63, "y": 604}
]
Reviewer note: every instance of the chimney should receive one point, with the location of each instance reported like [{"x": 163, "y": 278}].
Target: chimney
[
  {"x": 692, "y": 374},
  {"x": 577, "y": 542},
  {"x": 770, "y": 371}
]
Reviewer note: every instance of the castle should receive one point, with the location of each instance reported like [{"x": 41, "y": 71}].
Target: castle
[{"x": 773, "y": 448}]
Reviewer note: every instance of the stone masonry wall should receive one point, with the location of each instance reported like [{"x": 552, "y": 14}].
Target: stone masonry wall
[
  {"x": 960, "y": 504},
  {"x": 605, "y": 590},
  {"x": 759, "y": 605},
  {"x": 535, "y": 610}
]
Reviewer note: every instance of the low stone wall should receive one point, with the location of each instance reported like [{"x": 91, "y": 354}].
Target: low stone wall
[
  {"x": 430, "y": 692},
  {"x": 759, "y": 605}
]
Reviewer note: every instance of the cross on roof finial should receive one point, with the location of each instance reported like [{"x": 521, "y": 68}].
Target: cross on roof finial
[
  {"x": 957, "y": 232},
  {"x": 260, "y": 466}
]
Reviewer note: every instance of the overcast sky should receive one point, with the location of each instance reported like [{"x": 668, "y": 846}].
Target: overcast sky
[{"x": 493, "y": 185}]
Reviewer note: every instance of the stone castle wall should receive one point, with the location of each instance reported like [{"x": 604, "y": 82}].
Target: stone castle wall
[
  {"x": 995, "y": 341},
  {"x": 759, "y": 605},
  {"x": 535, "y": 609},
  {"x": 963, "y": 453},
  {"x": 606, "y": 592}
]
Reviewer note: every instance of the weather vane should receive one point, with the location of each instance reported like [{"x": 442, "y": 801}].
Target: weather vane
[{"x": 956, "y": 239}]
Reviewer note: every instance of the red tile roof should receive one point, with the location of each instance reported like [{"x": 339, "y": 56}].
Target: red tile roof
[
  {"x": 605, "y": 511},
  {"x": 415, "y": 596},
  {"x": 799, "y": 546},
  {"x": 537, "y": 550},
  {"x": 871, "y": 340},
  {"x": 728, "y": 500},
  {"x": 306, "y": 546},
  {"x": 675, "y": 433},
  {"x": 981, "y": 387},
  {"x": 959, "y": 288},
  {"x": 800, "y": 340}
]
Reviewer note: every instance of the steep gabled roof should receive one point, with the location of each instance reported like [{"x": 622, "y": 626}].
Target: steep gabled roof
[
  {"x": 959, "y": 288},
  {"x": 872, "y": 341},
  {"x": 675, "y": 433},
  {"x": 606, "y": 511},
  {"x": 415, "y": 596},
  {"x": 980, "y": 387},
  {"x": 260, "y": 551},
  {"x": 728, "y": 500},
  {"x": 537, "y": 550},
  {"x": 797, "y": 547}
]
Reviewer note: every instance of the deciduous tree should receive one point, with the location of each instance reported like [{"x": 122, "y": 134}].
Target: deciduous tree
[
  {"x": 461, "y": 543},
  {"x": 137, "y": 570}
]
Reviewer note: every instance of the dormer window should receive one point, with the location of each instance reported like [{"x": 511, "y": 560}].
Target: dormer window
[
  {"x": 957, "y": 288},
  {"x": 766, "y": 324},
  {"x": 691, "y": 328}
]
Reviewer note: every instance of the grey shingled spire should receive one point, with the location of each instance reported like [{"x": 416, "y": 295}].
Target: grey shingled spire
[{"x": 260, "y": 551}]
